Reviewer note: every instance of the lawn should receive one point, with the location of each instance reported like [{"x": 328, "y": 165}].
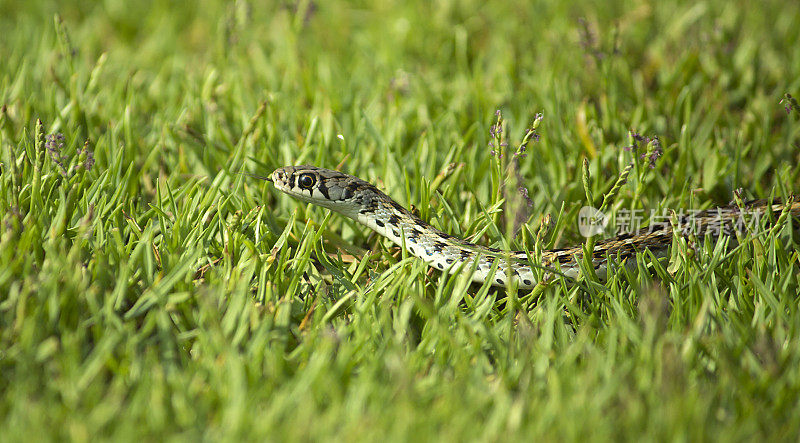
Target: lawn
[{"x": 149, "y": 291}]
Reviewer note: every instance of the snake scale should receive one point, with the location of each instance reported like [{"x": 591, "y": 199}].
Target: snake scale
[{"x": 363, "y": 202}]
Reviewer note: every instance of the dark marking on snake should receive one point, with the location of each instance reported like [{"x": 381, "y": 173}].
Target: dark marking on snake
[{"x": 323, "y": 189}]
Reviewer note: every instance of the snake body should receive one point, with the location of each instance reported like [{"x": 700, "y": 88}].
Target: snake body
[{"x": 361, "y": 201}]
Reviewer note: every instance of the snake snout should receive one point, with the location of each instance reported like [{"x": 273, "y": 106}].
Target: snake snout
[{"x": 279, "y": 178}]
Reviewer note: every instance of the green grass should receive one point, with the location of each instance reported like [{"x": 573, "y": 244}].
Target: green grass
[{"x": 159, "y": 293}]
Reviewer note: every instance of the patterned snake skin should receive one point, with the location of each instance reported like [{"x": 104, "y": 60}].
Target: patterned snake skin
[{"x": 363, "y": 202}]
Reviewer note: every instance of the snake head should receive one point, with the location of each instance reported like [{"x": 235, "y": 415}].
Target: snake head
[{"x": 331, "y": 189}]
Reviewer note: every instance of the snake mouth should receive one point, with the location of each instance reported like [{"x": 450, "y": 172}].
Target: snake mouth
[
  {"x": 280, "y": 179},
  {"x": 278, "y": 176}
]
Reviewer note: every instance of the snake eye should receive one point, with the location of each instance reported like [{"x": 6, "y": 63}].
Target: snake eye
[{"x": 306, "y": 181}]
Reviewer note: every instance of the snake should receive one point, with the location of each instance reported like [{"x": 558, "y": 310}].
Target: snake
[{"x": 363, "y": 202}]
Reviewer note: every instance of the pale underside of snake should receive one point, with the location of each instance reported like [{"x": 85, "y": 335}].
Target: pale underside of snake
[{"x": 361, "y": 201}]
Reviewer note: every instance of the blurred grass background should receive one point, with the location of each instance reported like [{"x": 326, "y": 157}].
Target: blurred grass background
[{"x": 146, "y": 290}]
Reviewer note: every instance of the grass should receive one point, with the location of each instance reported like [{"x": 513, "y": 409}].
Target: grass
[{"x": 147, "y": 290}]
